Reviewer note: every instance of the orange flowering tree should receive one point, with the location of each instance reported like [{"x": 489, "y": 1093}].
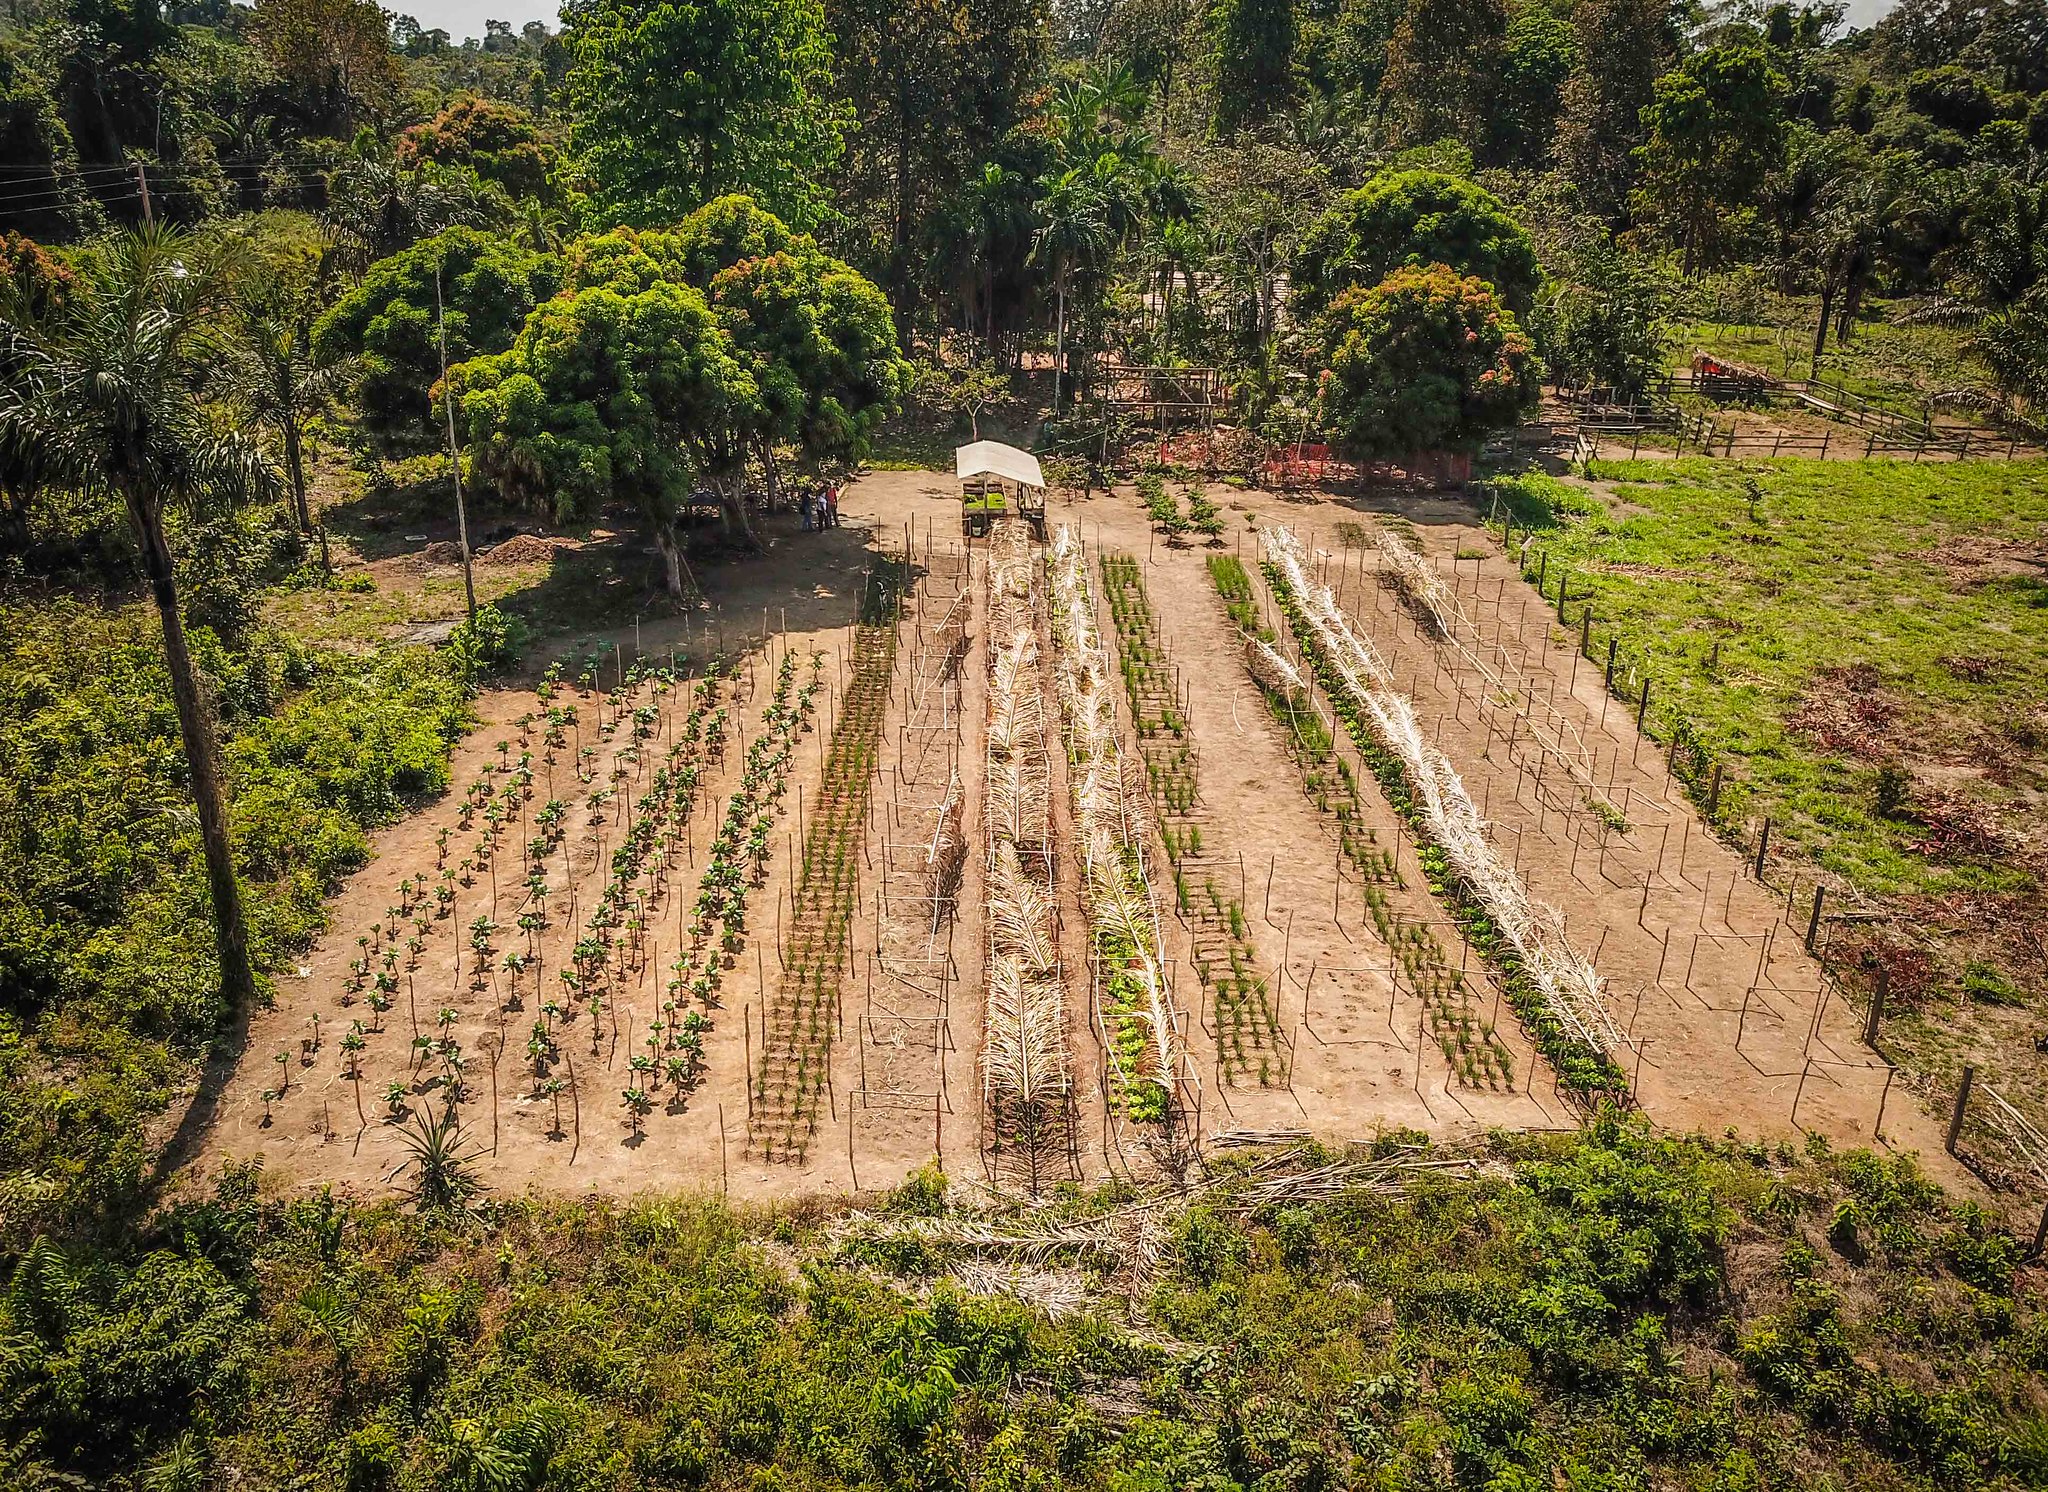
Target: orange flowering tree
[{"x": 1426, "y": 360}]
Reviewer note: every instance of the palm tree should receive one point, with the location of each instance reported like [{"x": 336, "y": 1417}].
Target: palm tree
[
  {"x": 1856, "y": 226},
  {"x": 379, "y": 206},
  {"x": 1178, "y": 252},
  {"x": 267, "y": 368},
  {"x": 443, "y": 1163},
  {"x": 1073, "y": 234},
  {"x": 989, "y": 225},
  {"x": 105, "y": 389}
]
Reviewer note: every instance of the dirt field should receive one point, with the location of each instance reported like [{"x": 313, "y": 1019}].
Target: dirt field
[{"x": 1725, "y": 1012}]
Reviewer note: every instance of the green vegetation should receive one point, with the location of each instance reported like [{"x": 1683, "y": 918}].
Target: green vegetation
[
  {"x": 1611, "y": 1309},
  {"x": 1411, "y": 220},
  {"x": 1812, "y": 623},
  {"x": 105, "y": 937},
  {"x": 273, "y": 277},
  {"x": 1423, "y": 361}
]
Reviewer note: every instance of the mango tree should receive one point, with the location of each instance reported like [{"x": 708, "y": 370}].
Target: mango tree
[
  {"x": 1428, "y": 360},
  {"x": 819, "y": 339},
  {"x": 608, "y": 392},
  {"x": 488, "y": 286}
]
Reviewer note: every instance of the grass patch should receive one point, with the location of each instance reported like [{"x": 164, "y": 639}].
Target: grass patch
[
  {"x": 1812, "y": 624},
  {"x": 1896, "y": 365}
]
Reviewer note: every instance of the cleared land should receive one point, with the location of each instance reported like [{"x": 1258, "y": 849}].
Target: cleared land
[{"x": 1315, "y": 975}]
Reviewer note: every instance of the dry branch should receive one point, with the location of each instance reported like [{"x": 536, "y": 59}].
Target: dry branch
[
  {"x": 1563, "y": 978},
  {"x": 1548, "y": 726}
]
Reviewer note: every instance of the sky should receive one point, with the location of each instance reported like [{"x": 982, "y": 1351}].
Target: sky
[{"x": 461, "y": 18}]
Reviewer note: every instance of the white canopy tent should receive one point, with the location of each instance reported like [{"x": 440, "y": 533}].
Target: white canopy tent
[
  {"x": 990, "y": 474},
  {"x": 991, "y": 458}
]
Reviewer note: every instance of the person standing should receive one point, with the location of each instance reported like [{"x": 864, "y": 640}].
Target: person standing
[
  {"x": 832, "y": 504},
  {"x": 803, "y": 506}
]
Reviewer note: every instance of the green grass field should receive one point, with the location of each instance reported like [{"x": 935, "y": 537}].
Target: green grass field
[
  {"x": 1863, "y": 648},
  {"x": 1748, "y": 615}
]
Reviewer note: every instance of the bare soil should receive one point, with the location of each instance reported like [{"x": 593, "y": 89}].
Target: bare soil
[{"x": 1729, "y": 1018}]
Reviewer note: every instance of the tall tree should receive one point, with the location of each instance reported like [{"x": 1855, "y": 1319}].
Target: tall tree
[
  {"x": 1251, "y": 47},
  {"x": 334, "y": 54},
  {"x": 1859, "y": 219},
  {"x": 497, "y": 140},
  {"x": 678, "y": 103},
  {"x": 1414, "y": 218},
  {"x": 817, "y": 337},
  {"x": 933, "y": 86},
  {"x": 1425, "y": 361},
  {"x": 1443, "y": 65},
  {"x": 388, "y": 321},
  {"x": 1624, "y": 47},
  {"x": 611, "y": 392},
  {"x": 1538, "y": 53},
  {"x": 107, "y": 393},
  {"x": 1716, "y": 130},
  {"x": 268, "y": 369},
  {"x": 1075, "y": 236}
]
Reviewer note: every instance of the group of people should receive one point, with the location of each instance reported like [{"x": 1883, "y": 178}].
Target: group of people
[{"x": 820, "y": 509}]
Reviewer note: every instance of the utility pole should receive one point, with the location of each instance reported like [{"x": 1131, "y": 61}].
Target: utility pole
[
  {"x": 142, "y": 181},
  {"x": 454, "y": 455}
]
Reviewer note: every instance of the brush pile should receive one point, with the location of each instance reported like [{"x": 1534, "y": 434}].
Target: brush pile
[{"x": 1024, "y": 1064}]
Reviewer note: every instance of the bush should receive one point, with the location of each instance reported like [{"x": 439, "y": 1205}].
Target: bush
[{"x": 1424, "y": 361}]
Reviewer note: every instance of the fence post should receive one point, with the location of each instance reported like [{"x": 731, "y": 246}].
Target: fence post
[
  {"x": 1763, "y": 847},
  {"x": 1877, "y": 994},
  {"x": 1813, "y": 922},
  {"x": 1714, "y": 793},
  {"x": 1955, "y": 1119},
  {"x": 1611, "y": 644}
]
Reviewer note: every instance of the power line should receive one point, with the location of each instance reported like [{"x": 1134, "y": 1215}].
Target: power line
[{"x": 59, "y": 173}]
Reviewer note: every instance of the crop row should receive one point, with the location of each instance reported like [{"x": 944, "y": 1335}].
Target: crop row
[
  {"x": 498, "y": 797},
  {"x": 1226, "y": 960},
  {"x": 1474, "y": 1050},
  {"x": 1553, "y": 988},
  {"x": 797, "y": 1030},
  {"x": 1202, "y": 517},
  {"x": 1123, "y": 922}
]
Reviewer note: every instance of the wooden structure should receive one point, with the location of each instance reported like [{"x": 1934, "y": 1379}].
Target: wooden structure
[
  {"x": 992, "y": 477},
  {"x": 1729, "y": 383}
]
